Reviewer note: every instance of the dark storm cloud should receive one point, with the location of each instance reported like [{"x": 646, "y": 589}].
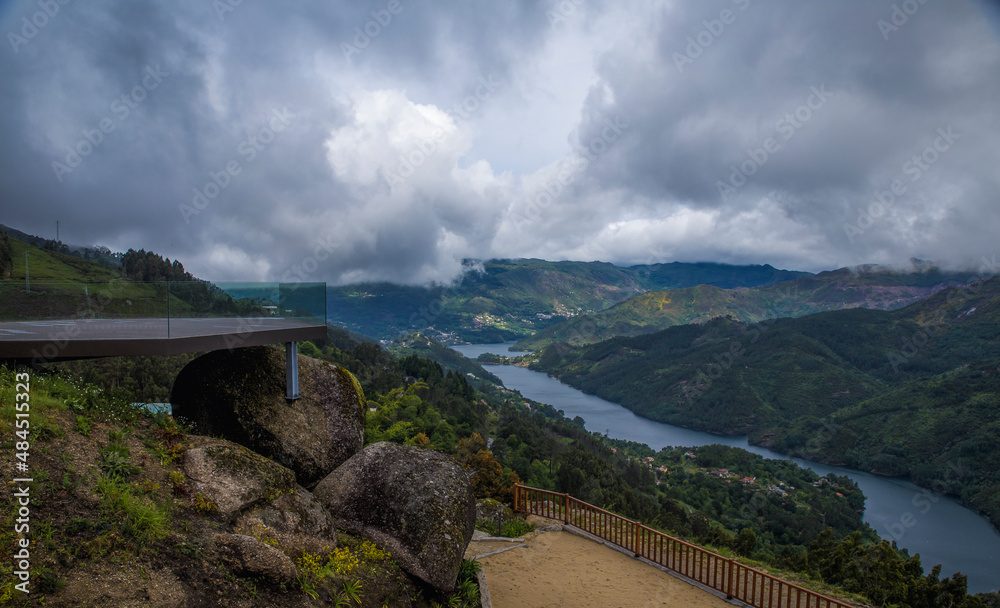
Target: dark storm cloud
[
  {"x": 388, "y": 140},
  {"x": 885, "y": 88}
]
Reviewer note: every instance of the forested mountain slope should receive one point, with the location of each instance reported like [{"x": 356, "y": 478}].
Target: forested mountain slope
[
  {"x": 904, "y": 392},
  {"x": 862, "y": 287},
  {"x": 506, "y": 299}
]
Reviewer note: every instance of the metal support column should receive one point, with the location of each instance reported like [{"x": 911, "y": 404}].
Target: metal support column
[{"x": 291, "y": 370}]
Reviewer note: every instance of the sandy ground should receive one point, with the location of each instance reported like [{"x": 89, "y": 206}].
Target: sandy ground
[{"x": 561, "y": 569}]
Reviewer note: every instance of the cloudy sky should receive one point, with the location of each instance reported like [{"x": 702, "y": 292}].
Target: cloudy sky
[{"x": 387, "y": 140}]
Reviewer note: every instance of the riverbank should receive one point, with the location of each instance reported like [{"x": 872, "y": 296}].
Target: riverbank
[{"x": 939, "y": 528}]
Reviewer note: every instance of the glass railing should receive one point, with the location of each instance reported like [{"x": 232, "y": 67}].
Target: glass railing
[{"x": 155, "y": 305}]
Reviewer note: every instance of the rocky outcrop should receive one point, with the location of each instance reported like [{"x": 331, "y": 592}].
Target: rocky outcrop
[
  {"x": 417, "y": 503},
  {"x": 240, "y": 395},
  {"x": 251, "y": 557},
  {"x": 228, "y": 478}
]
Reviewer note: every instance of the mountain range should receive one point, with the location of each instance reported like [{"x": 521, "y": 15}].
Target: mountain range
[
  {"x": 500, "y": 300},
  {"x": 861, "y": 287}
]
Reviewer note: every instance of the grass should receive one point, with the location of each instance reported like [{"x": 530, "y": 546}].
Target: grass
[
  {"x": 513, "y": 527},
  {"x": 139, "y": 517},
  {"x": 64, "y": 286}
]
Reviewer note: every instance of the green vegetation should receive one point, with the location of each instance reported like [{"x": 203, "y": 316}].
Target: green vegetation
[
  {"x": 145, "y": 379},
  {"x": 504, "y": 299},
  {"x": 911, "y": 392},
  {"x": 335, "y": 570},
  {"x": 498, "y": 519},
  {"x": 98, "y": 253},
  {"x": 835, "y": 290},
  {"x": 147, "y": 267},
  {"x": 428, "y": 348},
  {"x": 109, "y": 496},
  {"x": 6, "y": 256},
  {"x": 63, "y": 286},
  {"x": 90, "y": 502}
]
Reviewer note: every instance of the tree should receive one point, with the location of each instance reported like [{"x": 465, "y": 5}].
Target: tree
[
  {"x": 6, "y": 256},
  {"x": 746, "y": 542},
  {"x": 488, "y": 477}
]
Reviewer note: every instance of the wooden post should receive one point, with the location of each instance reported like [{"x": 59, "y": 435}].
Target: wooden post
[
  {"x": 729, "y": 579},
  {"x": 517, "y": 494},
  {"x": 638, "y": 539},
  {"x": 565, "y": 508}
]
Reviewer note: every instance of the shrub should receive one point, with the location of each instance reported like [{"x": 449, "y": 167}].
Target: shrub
[
  {"x": 204, "y": 505},
  {"x": 82, "y": 425}
]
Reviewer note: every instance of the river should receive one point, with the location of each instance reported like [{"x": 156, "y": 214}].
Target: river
[{"x": 939, "y": 528}]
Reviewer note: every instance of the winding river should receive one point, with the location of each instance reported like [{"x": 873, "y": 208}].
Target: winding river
[{"x": 939, "y": 528}]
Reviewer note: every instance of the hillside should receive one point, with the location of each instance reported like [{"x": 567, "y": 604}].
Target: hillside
[
  {"x": 881, "y": 379},
  {"x": 421, "y": 345},
  {"x": 863, "y": 287},
  {"x": 65, "y": 286},
  {"x": 57, "y": 285},
  {"x": 505, "y": 299},
  {"x": 97, "y": 253}
]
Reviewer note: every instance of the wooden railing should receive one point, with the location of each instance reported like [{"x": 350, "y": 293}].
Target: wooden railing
[{"x": 736, "y": 580}]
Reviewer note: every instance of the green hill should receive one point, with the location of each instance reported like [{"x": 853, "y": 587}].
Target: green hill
[
  {"x": 865, "y": 287},
  {"x": 505, "y": 299},
  {"x": 46, "y": 284},
  {"x": 64, "y": 286},
  {"x": 857, "y": 387}
]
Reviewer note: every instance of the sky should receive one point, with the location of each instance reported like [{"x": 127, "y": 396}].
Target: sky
[{"x": 389, "y": 140}]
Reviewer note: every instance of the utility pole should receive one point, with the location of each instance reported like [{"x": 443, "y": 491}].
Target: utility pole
[
  {"x": 57, "y": 231},
  {"x": 27, "y": 278}
]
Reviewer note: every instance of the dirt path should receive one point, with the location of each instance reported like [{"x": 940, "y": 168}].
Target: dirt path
[{"x": 562, "y": 569}]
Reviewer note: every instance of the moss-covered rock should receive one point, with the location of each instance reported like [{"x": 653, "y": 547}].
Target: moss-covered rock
[
  {"x": 416, "y": 503},
  {"x": 226, "y": 478},
  {"x": 251, "y": 557},
  {"x": 293, "y": 521},
  {"x": 240, "y": 395}
]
